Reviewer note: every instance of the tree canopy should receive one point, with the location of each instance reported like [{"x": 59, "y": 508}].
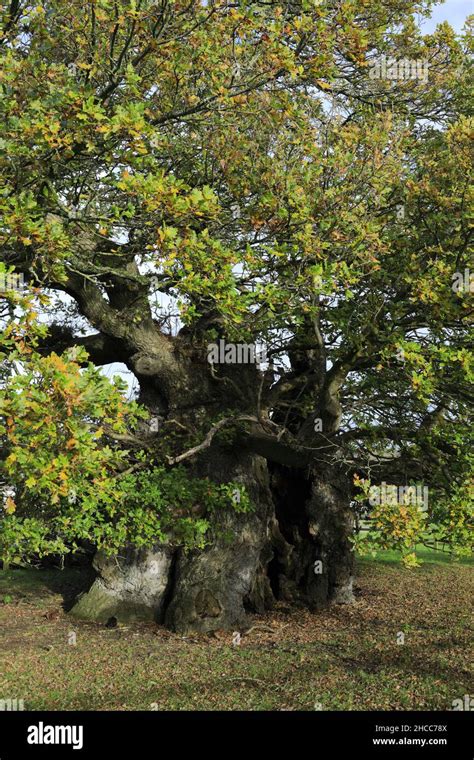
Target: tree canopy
[{"x": 235, "y": 166}]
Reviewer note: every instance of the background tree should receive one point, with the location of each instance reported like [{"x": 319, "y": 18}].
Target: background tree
[{"x": 236, "y": 166}]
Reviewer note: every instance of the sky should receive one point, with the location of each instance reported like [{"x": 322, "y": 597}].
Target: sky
[{"x": 454, "y": 11}]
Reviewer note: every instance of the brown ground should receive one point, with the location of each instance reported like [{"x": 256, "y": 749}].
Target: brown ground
[{"x": 345, "y": 658}]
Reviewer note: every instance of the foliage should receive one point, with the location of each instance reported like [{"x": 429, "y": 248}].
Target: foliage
[
  {"x": 238, "y": 161},
  {"x": 403, "y": 525},
  {"x": 58, "y": 429}
]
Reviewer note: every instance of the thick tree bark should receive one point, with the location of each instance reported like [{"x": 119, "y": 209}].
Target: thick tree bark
[
  {"x": 313, "y": 559},
  {"x": 132, "y": 586},
  {"x": 212, "y": 588},
  {"x": 293, "y": 546}
]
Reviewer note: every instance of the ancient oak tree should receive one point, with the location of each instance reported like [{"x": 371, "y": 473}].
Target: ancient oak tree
[{"x": 260, "y": 208}]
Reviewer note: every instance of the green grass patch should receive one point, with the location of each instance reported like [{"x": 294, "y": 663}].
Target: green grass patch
[
  {"x": 343, "y": 658},
  {"x": 424, "y": 553}
]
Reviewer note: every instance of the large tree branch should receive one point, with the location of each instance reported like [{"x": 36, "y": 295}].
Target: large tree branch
[
  {"x": 100, "y": 348},
  {"x": 125, "y": 318}
]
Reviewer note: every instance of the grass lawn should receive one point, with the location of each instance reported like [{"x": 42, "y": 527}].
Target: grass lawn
[{"x": 346, "y": 658}]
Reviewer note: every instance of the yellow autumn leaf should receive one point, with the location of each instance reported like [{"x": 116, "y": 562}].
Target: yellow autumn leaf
[{"x": 323, "y": 85}]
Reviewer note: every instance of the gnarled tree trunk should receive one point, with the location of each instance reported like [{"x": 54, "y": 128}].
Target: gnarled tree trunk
[{"x": 294, "y": 545}]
